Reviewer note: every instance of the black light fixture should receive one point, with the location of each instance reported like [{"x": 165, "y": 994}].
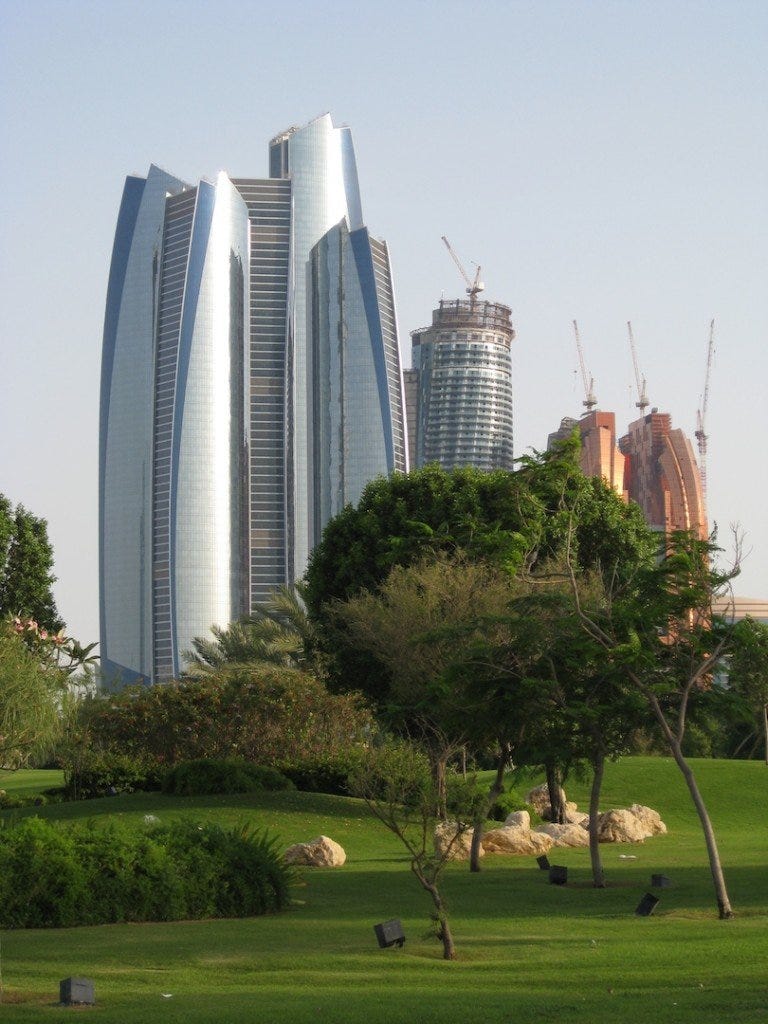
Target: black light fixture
[
  {"x": 76, "y": 992},
  {"x": 558, "y": 875},
  {"x": 660, "y": 881},
  {"x": 647, "y": 905},
  {"x": 543, "y": 862},
  {"x": 390, "y": 933}
]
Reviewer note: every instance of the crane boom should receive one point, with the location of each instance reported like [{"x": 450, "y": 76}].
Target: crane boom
[
  {"x": 701, "y": 413},
  {"x": 589, "y": 382},
  {"x": 473, "y": 287},
  {"x": 642, "y": 395}
]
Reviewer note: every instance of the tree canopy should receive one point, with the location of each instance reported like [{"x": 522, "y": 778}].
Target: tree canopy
[
  {"x": 26, "y": 567},
  {"x": 515, "y": 521}
]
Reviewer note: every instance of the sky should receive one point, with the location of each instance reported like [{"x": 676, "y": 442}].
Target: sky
[{"x": 602, "y": 161}]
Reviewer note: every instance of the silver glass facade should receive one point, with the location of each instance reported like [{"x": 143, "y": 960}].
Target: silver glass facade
[
  {"x": 251, "y": 386},
  {"x": 357, "y": 402},
  {"x": 460, "y": 388},
  {"x": 125, "y": 429}
]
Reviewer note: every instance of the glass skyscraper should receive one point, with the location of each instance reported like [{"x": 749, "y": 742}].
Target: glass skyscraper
[{"x": 251, "y": 387}]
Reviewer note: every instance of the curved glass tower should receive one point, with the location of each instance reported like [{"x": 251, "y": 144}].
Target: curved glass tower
[{"x": 251, "y": 386}]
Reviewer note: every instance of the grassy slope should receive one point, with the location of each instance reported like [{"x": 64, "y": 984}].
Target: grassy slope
[{"x": 528, "y": 951}]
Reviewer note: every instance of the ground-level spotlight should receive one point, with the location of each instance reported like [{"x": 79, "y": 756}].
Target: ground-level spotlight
[
  {"x": 76, "y": 992},
  {"x": 558, "y": 875},
  {"x": 543, "y": 862},
  {"x": 647, "y": 905},
  {"x": 389, "y": 933},
  {"x": 660, "y": 881}
]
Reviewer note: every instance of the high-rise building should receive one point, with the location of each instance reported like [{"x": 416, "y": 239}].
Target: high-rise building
[
  {"x": 653, "y": 465},
  {"x": 251, "y": 387},
  {"x": 460, "y": 387},
  {"x": 661, "y": 474},
  {"x": 600, "y": 454}
]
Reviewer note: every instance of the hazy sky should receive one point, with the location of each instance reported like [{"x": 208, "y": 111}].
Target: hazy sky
[{"x": 604, "y": 161}]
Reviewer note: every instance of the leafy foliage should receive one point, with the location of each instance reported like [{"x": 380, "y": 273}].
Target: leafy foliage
[
  {"x": 748, "y": 678},
  {"x": 26, "y": 567},
  {"x": 262, "y": 714},
  {"x": 56, "y": 878},
  {"x": 206, "y": 776},
  {"x": 95, "y": 773},
  {"x": 278, "y": 632},
  {"x": 31, "y": 694}
]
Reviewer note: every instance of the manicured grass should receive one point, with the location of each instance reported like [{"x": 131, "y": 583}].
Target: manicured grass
[
  {"x": 529, "y": 952},
  {"x": 29, "y": 783}
]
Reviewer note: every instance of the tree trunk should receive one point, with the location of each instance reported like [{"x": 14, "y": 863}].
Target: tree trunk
[
  {"x": 556, "y": 805},
  {"x": 440, "y": 769},
  {"x": 765, "y": 730},
  {"x": 598, "y": 876},
  {"x": 721, "y": 893},
  {"x": 444, "y": 928},
  {"x": 497, "y": 787}
]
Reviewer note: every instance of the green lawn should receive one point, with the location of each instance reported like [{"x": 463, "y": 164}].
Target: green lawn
[{"x": 528, "y": 951}]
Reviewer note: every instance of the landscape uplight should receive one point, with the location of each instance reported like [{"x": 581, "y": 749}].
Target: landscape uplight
[{"x": 390, "y": 933}]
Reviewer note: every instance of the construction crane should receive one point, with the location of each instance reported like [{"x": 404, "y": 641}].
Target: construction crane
[
  {"x": 642, "y": 396},
  {"x": 589, "y": 382},
  {"x": 701, "y": 414},
  {"x": 473, "y": 287}
]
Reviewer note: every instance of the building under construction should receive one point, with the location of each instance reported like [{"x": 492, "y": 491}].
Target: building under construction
[
  {"x": 653, "y": 464},
  {"x": 459, "y": 392}
]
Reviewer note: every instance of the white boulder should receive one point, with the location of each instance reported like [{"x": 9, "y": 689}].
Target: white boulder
[
  {"x": 565, "y": 835},
  {"x": 620, "y": 826},
  {"x": 649, "y": 819},
  {"x": 318, "y": 853},
  {"x": 449, "y": 837},
  {"x": 518, "y": 819},
  {"x": 515, "y": 840}
]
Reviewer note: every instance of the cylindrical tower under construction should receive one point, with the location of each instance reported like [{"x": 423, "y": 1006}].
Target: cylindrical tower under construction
[{"x": 462, "y": 384}]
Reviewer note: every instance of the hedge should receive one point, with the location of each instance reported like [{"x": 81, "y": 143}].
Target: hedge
[{"x": 56, "y": 877}]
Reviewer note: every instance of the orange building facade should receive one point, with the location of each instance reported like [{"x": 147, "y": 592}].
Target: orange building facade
[{"x": 653, "y": 464}]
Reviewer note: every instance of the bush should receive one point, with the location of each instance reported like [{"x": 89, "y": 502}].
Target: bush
[
  {"x": 50, "y": 877},
  {"x": 98, "y": 773},
  {"x": 43, "y": 883},
  {"x": 507, "y": 802},
  {"x": 206, "y": 776},
  {"x": 329, "y": 774},
  {"x": 261, "y": 714}
]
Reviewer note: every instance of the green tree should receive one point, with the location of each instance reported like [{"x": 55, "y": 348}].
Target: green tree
[
  {"x": 662, "y": 636},
  {"x": 399, "y": 788},
  {"x": 26, "y": 567},
  {"x": 31, "y": 696},
  {"x": 416, "y": 626},
  {"x": 748, "y": 676}
]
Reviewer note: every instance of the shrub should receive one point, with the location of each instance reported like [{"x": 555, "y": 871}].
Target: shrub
[
  {"x": 98, "y": 875},
  {"x": 98, "y": 773},
  {"x": 206, "y": 776},
  {"x": 43, "y": 883},
  {"x": 507, "y": 802},
  {"x": 261, "y": 714},
  {"x": 329, "y": 774}
]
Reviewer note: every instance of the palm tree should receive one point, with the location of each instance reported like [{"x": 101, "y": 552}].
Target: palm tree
[{"x": 277, "y": 632}]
